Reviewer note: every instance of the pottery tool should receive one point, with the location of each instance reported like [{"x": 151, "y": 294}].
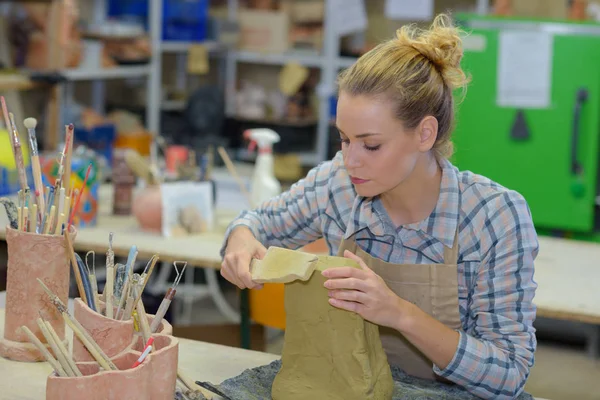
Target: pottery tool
[
  {"x": 119, "y": 280},
  {"x": 192, "y": 388},
  {"x": 86, "y": 282},
  {"x": 123, "y": 297},
  {"x": 166, "y": 301},
  {"x": 40, "y": 346},
  {"x": 19, "y": 217},
  {"x": 233, "y": 171},
  {"x": 75, "y": 266},
  {"x": 142, "y": 317},
  {"x": 145, "y": 277},
  {"x": 30, "y": 124},
  {"x": 60, "y": 222},
  {"x": 63, "y": 349},
  {"x": 60, "y": 356},
  {"x": 145, "y": 353},
  {"x": 127, "y": 297},
  {"x": 61, "y": 201},
  {"x": 92, "y": 277},
  {"x": 76, "y": 206},
  {"x": 80, "y": 331},
  {"x": 11, "y": 211},
  {"x": 25, "y": 219},
  {"x": 49, "y": 221},
  {"x": 48, "y": 206},
  {"x": 33, "y": 218},
  {"x": 130, "y": 266},
  {"x": 18, "y": 154},
  {"x": 69, "y": 133},
  {"x": 129, "y": 305},
  {"x": 110, "y": 276}
]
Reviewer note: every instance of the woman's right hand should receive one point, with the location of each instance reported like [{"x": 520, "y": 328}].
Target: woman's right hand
[{"x": 241, "y": 248}]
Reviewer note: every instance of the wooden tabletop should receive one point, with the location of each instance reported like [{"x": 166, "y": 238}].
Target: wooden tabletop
[{"x": 198, "y": 360}]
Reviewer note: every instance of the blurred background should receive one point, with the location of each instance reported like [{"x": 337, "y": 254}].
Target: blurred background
[{"x": 176, "y": 80}]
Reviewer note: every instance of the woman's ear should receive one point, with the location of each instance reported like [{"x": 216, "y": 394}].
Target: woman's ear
[{"x": 428, "y": 130}]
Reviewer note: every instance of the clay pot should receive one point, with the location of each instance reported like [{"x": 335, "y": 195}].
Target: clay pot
[
  {"x": 147, "y": 208},
  {"x": 126, "y": 383},
  {"x": 32, "y": 256},
  {"x": 154, "y": 379},
  {"x": 112, "y": 336}
]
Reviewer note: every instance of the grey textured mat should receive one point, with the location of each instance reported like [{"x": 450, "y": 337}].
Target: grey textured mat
[{"x": 255, "y": 384}]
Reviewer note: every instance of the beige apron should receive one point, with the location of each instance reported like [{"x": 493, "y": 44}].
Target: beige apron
[{"x": 431, "y": 287}]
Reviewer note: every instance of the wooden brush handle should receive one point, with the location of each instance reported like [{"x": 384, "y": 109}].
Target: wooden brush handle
[{"x": 37, "y": 181}]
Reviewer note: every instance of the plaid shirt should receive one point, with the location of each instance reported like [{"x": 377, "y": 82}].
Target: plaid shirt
[{"x": 497, "y": 248}]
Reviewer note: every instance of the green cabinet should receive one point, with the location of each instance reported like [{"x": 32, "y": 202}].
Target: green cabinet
[{"x": 550, "y": 153}]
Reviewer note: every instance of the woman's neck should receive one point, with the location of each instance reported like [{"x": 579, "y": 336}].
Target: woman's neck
[{"x": 415, "y": 198}]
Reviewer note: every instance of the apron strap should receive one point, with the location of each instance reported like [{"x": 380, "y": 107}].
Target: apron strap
[{"x": 451, "y": 254}]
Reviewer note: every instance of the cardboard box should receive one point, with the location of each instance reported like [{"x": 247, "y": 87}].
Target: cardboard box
[
  {"x": 308, "y": 11},
  {"x": 264, "y": 31},
  {"x": 550, "y": 9}
]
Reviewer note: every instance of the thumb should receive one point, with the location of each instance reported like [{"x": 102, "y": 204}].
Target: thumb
[
  {"x": 352, "y": 256},
  {"x": 260, "y": 251}
]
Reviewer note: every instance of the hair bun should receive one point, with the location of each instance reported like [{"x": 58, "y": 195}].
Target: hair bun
[{"x": 441, "y": 45}]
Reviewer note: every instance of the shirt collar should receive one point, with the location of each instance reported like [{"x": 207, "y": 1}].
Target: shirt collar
[{"x": 440, "y": 224}]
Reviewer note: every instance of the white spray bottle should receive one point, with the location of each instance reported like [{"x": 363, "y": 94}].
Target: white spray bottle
[{"x": 264, "y": 184}]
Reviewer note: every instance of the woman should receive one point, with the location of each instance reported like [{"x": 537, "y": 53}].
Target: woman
[{"x": 392, "y": 201}]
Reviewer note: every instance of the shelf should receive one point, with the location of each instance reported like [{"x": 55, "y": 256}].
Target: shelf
[
  {"x": 303, "y": 58},
  {"x": 173, "y": 105},
  {"x": 183, "y": 47},
  {"x": 306, "y": 158},
  {"x": 83, "y": 74},
  {"x": 308, "y": 122}
]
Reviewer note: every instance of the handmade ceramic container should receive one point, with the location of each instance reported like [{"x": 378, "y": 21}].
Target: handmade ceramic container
[{"x": 32, "y": 256}]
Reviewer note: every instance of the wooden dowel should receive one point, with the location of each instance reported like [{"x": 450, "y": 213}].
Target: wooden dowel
[
  {"x": 143, "y": 319},
  {"x": 40, "y": 346},
  {"x": 60, "y": 356},
  {"x": 128, "y": 308},
  {"x": 63, "y": 349},
  {"x": 108, "y": 291},
  {"x": 75, "y": 267}
]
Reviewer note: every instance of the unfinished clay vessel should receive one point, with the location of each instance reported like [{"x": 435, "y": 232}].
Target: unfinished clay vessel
[
  {"x": 32, "y": 256},
  {"x": 163, "y": 361},
  {"x": 97, "y": 384}
]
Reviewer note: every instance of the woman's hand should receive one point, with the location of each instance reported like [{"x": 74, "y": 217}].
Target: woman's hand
[
  {"x": 242, "y": 247},
  {"x": 365, "y": 293}
]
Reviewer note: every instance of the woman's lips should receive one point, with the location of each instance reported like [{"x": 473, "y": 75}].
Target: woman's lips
[{"x": 358, "y": 181}]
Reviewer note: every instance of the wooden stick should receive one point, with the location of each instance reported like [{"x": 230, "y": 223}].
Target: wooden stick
[
  {"x": 50, "y": 220},
  {"x": 40, "y": 346},
  {"x": 94, "y": 285},
  {"x": 80, "y": 331},
  {"x": 191, "y": 385},
  {"x": 233, "y": 171},
  {"x": 69, "y": 130},
  {"x": 20, "y": 218},
  {"x": 128, "y": 308},
  {"x": 33, "y": 219},
  {"x": 146, "y": 278},
  {"x": 143, "y": 319},
  {"x": 59, "y": 223},
  {"x": 75, "y": 267},
  {"x": 63, "y": 349},
  {"x": 108, "y": 291},
  {"x": 123, "y": 298},
  {"x": 54, "y": 346}
]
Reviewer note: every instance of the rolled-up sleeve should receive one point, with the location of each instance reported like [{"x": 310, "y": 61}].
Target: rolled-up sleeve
[
  {"x": 496, "y": 352},
  {"x": 292, "y": 219}
]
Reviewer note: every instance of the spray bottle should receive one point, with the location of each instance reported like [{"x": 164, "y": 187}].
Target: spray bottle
[{"x": 264, "y": 184}]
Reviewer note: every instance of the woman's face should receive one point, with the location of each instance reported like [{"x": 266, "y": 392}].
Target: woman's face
[{"x": 379, "y": 153}]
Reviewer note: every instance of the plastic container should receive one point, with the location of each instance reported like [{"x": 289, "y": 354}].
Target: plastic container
[
  {"x": 101, "y": 139},
  {"x": 264, "y": 184},
  {"x": 185, "y": 20}
]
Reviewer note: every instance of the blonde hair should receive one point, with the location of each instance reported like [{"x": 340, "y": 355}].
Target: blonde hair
[{"x": 418, "y": 70}]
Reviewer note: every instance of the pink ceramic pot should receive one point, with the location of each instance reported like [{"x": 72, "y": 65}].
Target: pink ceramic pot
[{"x": 147, "y": 208}]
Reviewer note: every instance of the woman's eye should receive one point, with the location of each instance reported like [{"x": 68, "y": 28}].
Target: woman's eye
[
  {"x": 373, "y": 148},
  {"x": 344, "y": 141}
]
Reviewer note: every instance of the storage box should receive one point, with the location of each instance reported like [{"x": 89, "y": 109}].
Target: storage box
[
  {"x": 307, "y": 12},
  {"x": 547, "y": 9},
  {"x": 264, "y": 31}
]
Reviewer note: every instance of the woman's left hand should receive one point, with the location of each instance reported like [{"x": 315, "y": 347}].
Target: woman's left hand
[{"x": 365, "y": 293}]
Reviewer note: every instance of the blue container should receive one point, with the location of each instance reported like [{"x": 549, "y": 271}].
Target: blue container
[
  {"x": 183, "y": 20},
  {"x": 101, "y": 139}
]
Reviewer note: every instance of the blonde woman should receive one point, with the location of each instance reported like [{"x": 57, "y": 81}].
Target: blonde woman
[{"x": 447, "y": 256}]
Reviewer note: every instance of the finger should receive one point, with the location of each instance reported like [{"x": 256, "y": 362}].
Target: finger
[
  {"x": 352, "y": 256},
  {"x": 229, "y": 276},
  {"x": 344, "y": 272},
  {"x": 260, "y": 251},
  {"x": 349, "y": 295},
  {"x": 347, "y": 305},
  {"x": 346, "y": 284}
]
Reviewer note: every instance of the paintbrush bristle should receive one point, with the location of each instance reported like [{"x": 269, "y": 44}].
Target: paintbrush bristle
[{"x": 30, "y": 123}]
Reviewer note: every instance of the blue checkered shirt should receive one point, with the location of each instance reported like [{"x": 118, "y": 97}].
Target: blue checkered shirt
[{"x": 497, "y": 248}]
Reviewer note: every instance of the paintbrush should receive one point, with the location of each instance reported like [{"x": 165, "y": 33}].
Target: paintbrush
[
  {"x": 30, "y": 124},
  {"x": 7, "y": 123},
  {"x": 18, "y": 155},
  {"x": 70, "y": 129},
  {"x": 80, "y": 331}
]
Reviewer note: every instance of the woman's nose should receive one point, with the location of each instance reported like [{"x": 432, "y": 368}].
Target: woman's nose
[{"x": 351, "y": 156}]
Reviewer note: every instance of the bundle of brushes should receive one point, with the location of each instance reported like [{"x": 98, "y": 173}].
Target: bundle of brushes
[{"x": 41, "y": 209}]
